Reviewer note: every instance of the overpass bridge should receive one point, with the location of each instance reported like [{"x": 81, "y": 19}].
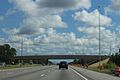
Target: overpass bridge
[
  {"x": 61, "y": 57},
  {"x": 86, "y": 58}
]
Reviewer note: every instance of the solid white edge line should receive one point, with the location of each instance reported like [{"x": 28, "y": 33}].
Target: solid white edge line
[{"x": 79, "y": 74}]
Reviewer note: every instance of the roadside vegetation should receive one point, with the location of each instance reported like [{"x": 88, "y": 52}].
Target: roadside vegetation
[
  {"x": 113, "y": 62},
  {"x": 105, "y": 68},
  {"x": 7, "y": 61},
  {"x": 115, "y": 58},
  {"x": 108, "y": 67},
  {"x": 7, "y": 54},
  {"x": 18, "y": 66}
]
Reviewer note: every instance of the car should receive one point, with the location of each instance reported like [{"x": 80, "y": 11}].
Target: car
[
  {"x": 63, "y": 64},
  {"x": 117, "y": 71}
]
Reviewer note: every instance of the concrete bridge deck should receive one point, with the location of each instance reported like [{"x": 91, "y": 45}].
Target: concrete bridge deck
[{"x": 61, "y": 57}]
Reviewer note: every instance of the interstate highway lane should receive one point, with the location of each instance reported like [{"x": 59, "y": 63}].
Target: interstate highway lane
[{"x": 52, "y": 73}]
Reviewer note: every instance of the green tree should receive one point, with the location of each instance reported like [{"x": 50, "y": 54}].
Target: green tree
[
  {"x": 115, "y": 58},
  {"x": 7, "y": 53},
  {"x": 13, "y": 52}
]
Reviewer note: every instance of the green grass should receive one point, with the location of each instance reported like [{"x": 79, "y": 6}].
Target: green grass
[
  {"x": 17, "y": 66},
  {"x": 108, "y": 71},
  {"x": 106, "y": 68}
]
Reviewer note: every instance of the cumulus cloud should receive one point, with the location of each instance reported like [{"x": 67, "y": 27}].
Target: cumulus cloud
[
  {"x": 48, "y": 21},
  {"x": 27, "y": 6},
  {"x": 92, "y": 34},
  {"x": 24, "y": 31},
  {"x": 37, "y": 18},
  {"x": 15, "y": 38},
  {"x": 92, "y": 18},
  {"x": 30, "y": 30},
  {"x": 53, "y": 42},
  {"x": 114, "y": 7},
  {"x": 118, "y": 36},
  {"x": 42, "y": 19},
  {"x": 35, "y": 25},
  {"x": 11, "y": 31},
  {"x": 65, "y": 3},
  {"x": 90, "y": 30},
  {"x": 54, "y": 37}
]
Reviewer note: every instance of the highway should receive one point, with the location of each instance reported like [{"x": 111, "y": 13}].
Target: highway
[{"x": 52, "y": 73}]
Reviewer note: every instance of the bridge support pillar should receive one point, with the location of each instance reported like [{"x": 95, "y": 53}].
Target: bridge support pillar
[{"x": 46, "y": 61}]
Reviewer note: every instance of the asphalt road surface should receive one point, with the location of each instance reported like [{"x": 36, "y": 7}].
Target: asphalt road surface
[{"x": 44, "y": 73}]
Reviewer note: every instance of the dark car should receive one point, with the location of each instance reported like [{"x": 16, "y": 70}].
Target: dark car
[{"x": 63, "y": 64}]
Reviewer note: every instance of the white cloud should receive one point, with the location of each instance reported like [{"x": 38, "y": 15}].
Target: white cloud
[
  {"x": 85, "y": 3},
  {"x": 118, "y": 36},
  {"x": 42, "y": 39},
  {"x": 2, "y": 40},
  {"x": 43, "y": 21},
  {"x": 10, "y": 12},
  {"x": 37, "y": 18},
  {"x": 27, "y": 6},
  {"x": 35, "y": 25},
  {"x": 81, "y": 41},
  {"x": 92, "y": 34},
  {"x": 114, "y": 7},
  {"x": 118, "y": 29},
  {"x": 44, "y": 17},
  {"x": 90, "y": 30},
  {"x": 74, "y": 4},
  {"x": 11, "y": 31},
  {"x": 28, "y": 41},
  {"x": 15, "y": 39},
  {"x": 92, "y": 18},
  {"x": 53, "y": 42},
  {"x": 28, "y": 30},
  {"x": 58, "y": 38}
]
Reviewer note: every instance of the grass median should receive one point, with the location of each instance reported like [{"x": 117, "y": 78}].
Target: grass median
[{"x": 18, "y": 66}]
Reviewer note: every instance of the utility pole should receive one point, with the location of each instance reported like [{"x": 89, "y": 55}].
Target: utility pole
[
  {"x": 22, "y": 48},
  {"x": 99, "y": 39},
  {"x": 21, "y": 51},
  {"x": 110, "y": 48}
]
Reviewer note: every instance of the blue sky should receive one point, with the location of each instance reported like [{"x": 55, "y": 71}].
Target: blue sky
[
  {"x": 15, "y": 19},
  {"x": 66, "y": 29}
]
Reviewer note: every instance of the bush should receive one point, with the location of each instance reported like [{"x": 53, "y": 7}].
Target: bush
[{"x": 110, "y": 65}]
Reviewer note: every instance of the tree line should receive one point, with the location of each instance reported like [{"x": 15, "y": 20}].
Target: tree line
[
  {"x": 115, "y": 58},
  {"x": 7, "y": 53}
]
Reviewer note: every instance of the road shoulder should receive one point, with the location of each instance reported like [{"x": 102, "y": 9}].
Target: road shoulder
[{"x": 95, "y": 75}]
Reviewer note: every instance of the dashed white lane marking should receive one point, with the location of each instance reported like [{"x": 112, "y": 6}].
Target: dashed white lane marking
[
  {"x": 79, "y": 74},
  {"x": 42, "y": 75}
]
